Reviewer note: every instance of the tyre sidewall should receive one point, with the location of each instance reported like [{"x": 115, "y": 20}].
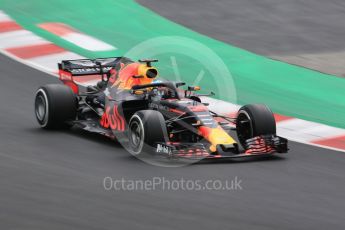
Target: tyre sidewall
[
  {"x": 261, "y": 120},
  {"x": 61, "y": 105},
  {"x": 154, "y": 130}
]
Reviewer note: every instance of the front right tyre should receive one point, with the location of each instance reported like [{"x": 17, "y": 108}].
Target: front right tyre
[{"x": 254, "y": 120}]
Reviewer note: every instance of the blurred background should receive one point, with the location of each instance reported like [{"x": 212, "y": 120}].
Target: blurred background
[{"x": 309, "y": 33}]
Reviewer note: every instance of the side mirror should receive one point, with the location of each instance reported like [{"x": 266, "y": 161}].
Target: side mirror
[
  {"x": 193, "y": 88},
  {"x": 179, "y": 84}
]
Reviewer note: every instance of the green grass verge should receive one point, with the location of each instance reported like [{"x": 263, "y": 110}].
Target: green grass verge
[{"x": 287, "y": 89}]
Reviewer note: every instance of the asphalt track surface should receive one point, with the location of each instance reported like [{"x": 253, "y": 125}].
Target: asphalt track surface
[
  {"x": 54, "y": 179},
  {"x": 268, "y": 27}
]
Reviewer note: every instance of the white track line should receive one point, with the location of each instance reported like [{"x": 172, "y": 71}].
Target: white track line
[
  {"x": 87, "y": 42},
  {"x": 50, "y": 61},
  {"x": 20, "y": 38},
  {"x": 4, "y": 17}
]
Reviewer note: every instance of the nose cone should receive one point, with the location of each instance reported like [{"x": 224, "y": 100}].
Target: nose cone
[{"x": 216, "y": 136}]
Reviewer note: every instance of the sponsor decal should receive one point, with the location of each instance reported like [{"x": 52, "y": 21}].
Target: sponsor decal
[
  {"x": 65, "y": 76},
  {"x": 161, "y": 148},
  {"x": 112, "y": 118},
  {"x": 90, "y": 70}
]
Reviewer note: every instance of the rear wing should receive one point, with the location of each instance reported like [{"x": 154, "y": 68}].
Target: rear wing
[
  {"x": 82, "y": 67},
  {"x": 71, "y": 72}
]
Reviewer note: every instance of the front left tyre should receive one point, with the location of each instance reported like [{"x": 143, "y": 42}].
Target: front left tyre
[
  {"x": 55, "y": 105},
  {"x": 146, "y": 129}
]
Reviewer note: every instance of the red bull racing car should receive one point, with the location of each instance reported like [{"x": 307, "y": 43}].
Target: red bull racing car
[{"x": 149, "y": 116}]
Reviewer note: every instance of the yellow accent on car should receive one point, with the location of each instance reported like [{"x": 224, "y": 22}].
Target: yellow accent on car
[
  {"x": 219, "y": 136},
  {"x": 148, "y": 73},
  {"x": 216, "y": 136}
]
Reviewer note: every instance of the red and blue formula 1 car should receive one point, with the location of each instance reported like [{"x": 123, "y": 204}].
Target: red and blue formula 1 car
[{"x": 152, "y": 117}]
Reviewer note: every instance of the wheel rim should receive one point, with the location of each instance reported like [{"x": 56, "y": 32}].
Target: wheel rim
[
  {"x": 135, "y": 137},
  {"x": 40, "y": 108},
  {"x": 244, "y": 127}
]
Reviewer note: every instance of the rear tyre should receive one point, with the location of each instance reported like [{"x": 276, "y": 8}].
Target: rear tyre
[
  {"x": 55, "y": 105},
  {"x": 146, "y": 128},
  {"x": 254, "y": 120}
]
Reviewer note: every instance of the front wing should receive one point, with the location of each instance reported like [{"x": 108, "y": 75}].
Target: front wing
[{"x": 256, "y": 147}]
